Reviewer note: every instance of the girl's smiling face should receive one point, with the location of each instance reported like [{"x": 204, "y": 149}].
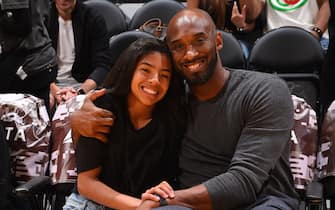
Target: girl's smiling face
[{"x": 151, "y": 79}]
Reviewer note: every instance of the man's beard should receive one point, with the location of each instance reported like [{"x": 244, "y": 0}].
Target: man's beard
[{"x": 203, "y": 78}]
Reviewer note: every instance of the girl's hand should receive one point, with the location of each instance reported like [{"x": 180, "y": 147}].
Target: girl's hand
[
  {"x": 164, "y": 190},
  {"x": 147, "y": 205}
]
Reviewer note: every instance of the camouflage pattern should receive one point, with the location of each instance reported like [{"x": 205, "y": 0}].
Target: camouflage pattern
[
  {"x": 62, "y": 166},
  {"x": 303, "y": 143},
  {"x": 27, "y": 130}
]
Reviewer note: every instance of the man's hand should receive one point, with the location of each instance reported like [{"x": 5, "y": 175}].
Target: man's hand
[
  {"x": 91, "y": 121},
  {"x": 163, "y": 189}
]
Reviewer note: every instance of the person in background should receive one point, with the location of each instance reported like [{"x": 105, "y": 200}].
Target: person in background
[
  {"x": 235, "y": 151},
  {"x": 328, "y": 73},
  {"x": 311, "y": 15},
  {"x": 246, "y": 27},
  {"x": 79, "y": 36},
  {"x": 146, "y": 98},
  {"x": 215, "y": 8},
  {"x": 27, "y": 59}
]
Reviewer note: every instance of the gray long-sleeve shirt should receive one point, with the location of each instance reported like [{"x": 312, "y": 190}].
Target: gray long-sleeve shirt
[{"x": 237, "y": 143}]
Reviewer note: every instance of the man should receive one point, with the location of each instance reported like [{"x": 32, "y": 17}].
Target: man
[
  {"x": 27, "y": 59},
  {"x": 235, "y": 151},
  {"x": 80, "y": 38}
]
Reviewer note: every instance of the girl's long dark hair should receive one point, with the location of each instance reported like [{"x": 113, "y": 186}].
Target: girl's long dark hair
[{"x": 171, "y": 107}]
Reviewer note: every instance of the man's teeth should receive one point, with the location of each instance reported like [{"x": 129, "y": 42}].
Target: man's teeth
[
  {"x": 150, "y": 91},
  {"x": 193, "y": 66}
]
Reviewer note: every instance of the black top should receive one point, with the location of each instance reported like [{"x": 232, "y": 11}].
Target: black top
[{"x": 133, "y": 160}]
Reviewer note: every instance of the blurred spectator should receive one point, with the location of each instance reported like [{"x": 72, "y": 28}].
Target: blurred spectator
[
  {"x": 27, "y": 59},
  {"x": 328, "y": 77},
  {"x": 310, "y": 15},
  {"x": 215, "y": 8},
  {"x": 79, "y": 36},
  {"x": 246, "y": 26}
]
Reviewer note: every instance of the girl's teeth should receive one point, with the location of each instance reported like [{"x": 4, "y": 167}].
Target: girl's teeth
[{"x": 149, "y": 91}]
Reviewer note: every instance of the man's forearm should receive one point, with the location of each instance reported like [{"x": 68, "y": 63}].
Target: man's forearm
[{"x": 195, "y": 198}]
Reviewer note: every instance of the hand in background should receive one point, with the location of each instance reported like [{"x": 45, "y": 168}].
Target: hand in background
[{"x": 239, "y": 19}]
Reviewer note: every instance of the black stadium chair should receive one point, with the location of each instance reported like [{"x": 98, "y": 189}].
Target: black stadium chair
[
  {"x": 14, "y": 195},
  {"x": 121, "y": 41},
  {"x": 231, "y": 54},
  {"x": 295, "y": 55},
  {"x": 116, "y": 20},
  {"x": 162, "y": 9}
]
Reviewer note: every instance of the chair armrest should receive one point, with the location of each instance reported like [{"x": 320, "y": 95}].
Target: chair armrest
[
  {"x": 314, "y": 195},
  {"x": 33, "y": 186}
]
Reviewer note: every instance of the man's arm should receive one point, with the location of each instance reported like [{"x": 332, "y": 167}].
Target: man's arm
[
  {"x": 196, "y": 197},
  {"x": 262, "y": 146},
  {"x": 91, "y": 121}
]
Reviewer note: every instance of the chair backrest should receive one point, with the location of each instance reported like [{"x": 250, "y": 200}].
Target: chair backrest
[
  {"x": 231, "y": 54},
  {"x": 295, "y": 55},
  {"x": 116, "y": 20},
  {"x": 286, "y": 50},
  {"x": 162, "y": 9},
  {"x": 121, "y": 41}
]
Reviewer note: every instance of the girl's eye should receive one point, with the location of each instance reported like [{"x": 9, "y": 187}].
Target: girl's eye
[
  {"x": 165, "y": 76},
  {"x": 145, "y": 70}
]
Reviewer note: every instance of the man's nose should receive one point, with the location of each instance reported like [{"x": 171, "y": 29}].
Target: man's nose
[{"x": 190, "y": 52}]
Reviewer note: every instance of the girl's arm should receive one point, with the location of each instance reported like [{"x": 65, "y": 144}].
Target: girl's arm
[{"x": 90, "y": 187}]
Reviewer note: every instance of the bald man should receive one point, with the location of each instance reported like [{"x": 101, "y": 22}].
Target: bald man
[{"x": 235, "y": 151}]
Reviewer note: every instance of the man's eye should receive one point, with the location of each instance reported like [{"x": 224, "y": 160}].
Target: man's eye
[
  {"x": 200, "y": 41},
  {"x": 177, "y": 47}
]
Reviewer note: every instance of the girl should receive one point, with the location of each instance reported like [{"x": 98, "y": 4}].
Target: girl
[{"x": 142, "y": 148}]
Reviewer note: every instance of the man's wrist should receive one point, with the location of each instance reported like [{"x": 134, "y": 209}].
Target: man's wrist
[
  {"x": 81, "y": 91},
  {"x": 162, "y": 201}
]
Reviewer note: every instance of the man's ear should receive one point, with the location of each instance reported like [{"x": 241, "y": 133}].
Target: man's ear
[{"x": 219, "y": 40}]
